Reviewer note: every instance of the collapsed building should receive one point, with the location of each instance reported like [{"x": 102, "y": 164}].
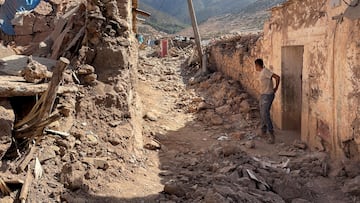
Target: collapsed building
[
  {"x": 95, "y": 99},
  {"x": 314, "y": 46}
]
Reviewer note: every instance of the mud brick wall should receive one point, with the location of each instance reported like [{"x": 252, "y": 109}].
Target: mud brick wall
[
  {"x": 329, "y": 99},
  {"x": 235, "y": 57}
]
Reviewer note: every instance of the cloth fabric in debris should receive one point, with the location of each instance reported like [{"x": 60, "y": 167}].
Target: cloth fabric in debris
[{"x": 9, "y": 9}]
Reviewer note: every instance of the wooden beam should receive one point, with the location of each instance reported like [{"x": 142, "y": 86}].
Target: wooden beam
[
  {"x": 197, "y": 36},
  {"x": 141, "y": 12}
]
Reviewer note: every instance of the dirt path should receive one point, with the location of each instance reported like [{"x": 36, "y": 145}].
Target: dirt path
[{"x": 210, "y": 151}]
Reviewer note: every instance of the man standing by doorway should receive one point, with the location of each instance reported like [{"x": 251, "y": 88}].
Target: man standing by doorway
[{"x": 267, "y": 95}]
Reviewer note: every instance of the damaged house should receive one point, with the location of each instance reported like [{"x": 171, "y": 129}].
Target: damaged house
[{"x": 315, "y": 47}]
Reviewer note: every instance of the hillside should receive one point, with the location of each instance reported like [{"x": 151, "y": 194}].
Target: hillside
[
  {"x": 205, "y": 9},
  {"x": 162, "y": 21},
  {"x": 250, "y": 19}
]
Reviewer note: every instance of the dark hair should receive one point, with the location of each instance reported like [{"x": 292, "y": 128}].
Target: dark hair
[{"x": 259, "y": 62}]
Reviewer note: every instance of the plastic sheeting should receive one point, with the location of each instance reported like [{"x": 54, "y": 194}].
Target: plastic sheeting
[{"x": 9, "y": 9}]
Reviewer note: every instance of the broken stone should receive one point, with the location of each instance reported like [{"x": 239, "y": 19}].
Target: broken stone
[
  {"x": 151, "y": 116},
  {"x": 288, "y": 188},
  {"x": 246, "y": 182},
  {"x": 216, "y": 120},
  {"x": 93, "y": 139},
  {"x": 46, "y": 154},
  {"x": 7, "y": 119},
  {"x": 299, "y": 144},
  {"x": 7, "y": 199},
  {"x": 352, "y": 169},
  {"x": 223, "y": 109},
  {"x": 352, "y": 186},
  {"x": 152, "y": 145},
  {"x": 227, "y": 169},
  {"x": 250, "y": 144},
  {"x": 245, "y": 106},
  {"x": 299, "y": 201},
  {"x": 85, "y": 69},
  {"x": 91, "y": 174},
  {"x": 90, "y": 79},
  {"x": 230, "y": 150},
  {"x": 225, "y": 190},
  {"x": 214, "y": 197},
  {"x": 100, "y": 163},
  {"x": 288, "y": 154},
  {"x": 174, "y": 189},
  {"x": 35, "y": 72},
  {"x": 72, "y": 176}
]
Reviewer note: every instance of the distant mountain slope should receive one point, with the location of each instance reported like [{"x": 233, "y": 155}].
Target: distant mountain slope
[
  {"x": 205, "y": 9},
  {"x": 162, "y": 21},
  {"x": 250, "y": 19}
]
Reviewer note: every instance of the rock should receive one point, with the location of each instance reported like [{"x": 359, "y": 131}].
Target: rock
[
  {"x": 247, "y": 182},
  {"x": 288, "y": 154},
  {"x": 79, "y": 134},
  {"x": 299, "y": 144},
  {"x": 72, "y": 176},
  {"x": 214, "y": 197},
  {"x": 35, "y": 72},
  {"x": 46, "y": 154},
  {"x": 91, "y": 174},
  {"x": 174, "y": 189},
  {"x": 7, "y": 118},
  {"x": 352, "y": 186},
  {"x": 225, "y": 190},
  {"x": 237, "y": 135},
  {"x": 227, "y": 169},
  {"x": 234, "y": 176},
  {"x": 299, "y": 201},
  {"x": 7, "y": 199},
  {"x": 230, "y": 150},
  {"x": 202, "y": 106},
  {"x": 352, "y": 169},
  {"x": 85, "y": 69},
  {"x": 91, "y": 138},
  {"x": 151, "y": 116},
  {"x": 152, "y": 145},
  {"x": 216, "y": 120},
  {"x": 65, "y": 143},
  {"x": 245, "y": 106},
  {"x": 89, "y": 79},
  {"x": 250, "y": 144},
  {"x": 288, "y": 188},
  {"x": 100, "y": 163},
  {"x": 223, "y": 109},
  {"x": 115, "y": 141},
  {"x": 336, "y": 169}
]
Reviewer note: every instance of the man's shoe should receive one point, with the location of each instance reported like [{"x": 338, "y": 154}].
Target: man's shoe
[{"x": 271, "y": 139}]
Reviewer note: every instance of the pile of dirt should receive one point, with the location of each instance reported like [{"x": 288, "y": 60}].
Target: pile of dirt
[
  {"x": 209, "y": 150},
  {"x": 93, "y": 142}
]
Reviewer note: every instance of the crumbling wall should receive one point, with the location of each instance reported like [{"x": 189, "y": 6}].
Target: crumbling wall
[
  {"x": 235, "y": 58},
  {"x": 330, "y": 78},
  {"x": 36, "y": 26}
]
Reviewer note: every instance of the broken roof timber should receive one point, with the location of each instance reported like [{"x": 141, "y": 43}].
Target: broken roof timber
[
  {"x": 15, "y": 86},
  {"x": 141, "y": 12}
]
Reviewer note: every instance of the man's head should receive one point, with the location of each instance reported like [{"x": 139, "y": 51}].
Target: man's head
[{"x": 259, "y": 64}]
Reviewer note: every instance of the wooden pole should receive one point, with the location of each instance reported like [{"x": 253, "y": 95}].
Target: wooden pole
[{"x": 197, "y": 36}]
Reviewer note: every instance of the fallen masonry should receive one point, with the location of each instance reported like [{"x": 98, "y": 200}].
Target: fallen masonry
[{"x": 87, "y": 117}]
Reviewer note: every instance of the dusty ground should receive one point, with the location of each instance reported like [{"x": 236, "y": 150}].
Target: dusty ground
[
  {"x": 203, "y": 159},
  {"x": 201, "y": 146}
]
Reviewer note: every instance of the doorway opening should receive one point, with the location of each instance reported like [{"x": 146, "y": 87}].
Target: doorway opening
[{"x": 292, "y": 66}]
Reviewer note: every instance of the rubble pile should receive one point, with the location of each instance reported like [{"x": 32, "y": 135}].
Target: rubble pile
[
  {"x": 223, "y": 101},
  {"x": 92, "y": 139},
  {"x": 225, "y": 171}
]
